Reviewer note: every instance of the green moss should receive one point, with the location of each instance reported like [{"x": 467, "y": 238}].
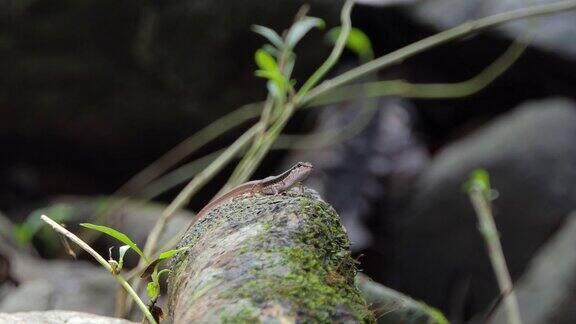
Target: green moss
[
  {"x": 320, "y": 280},
  {"x": 246, "y": 314}
]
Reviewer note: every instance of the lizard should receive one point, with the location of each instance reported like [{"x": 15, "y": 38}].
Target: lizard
[{"x": 272, "y": 185}]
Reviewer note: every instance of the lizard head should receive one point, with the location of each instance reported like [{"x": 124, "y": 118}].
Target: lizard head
[{"x": 302, "y": 169}]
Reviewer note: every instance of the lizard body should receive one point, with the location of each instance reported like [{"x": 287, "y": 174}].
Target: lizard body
[{"x": 272, "y": 185}]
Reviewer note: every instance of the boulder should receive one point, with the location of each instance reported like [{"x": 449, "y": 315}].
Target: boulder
[{"x": 530, "y": 155}]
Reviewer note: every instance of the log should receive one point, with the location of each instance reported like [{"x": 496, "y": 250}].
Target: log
[{"x": 282, "y": 258}]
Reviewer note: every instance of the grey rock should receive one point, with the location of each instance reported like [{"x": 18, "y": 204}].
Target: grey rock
[
  {"x": 554, "y": 33},
  {"x": 58, "y": 317},
  {"x": 531, "y": 157},
  {"x": 31, "y": 295},
  {"x": 76, "y": 285},
  {"x": 378, "y": 159}
]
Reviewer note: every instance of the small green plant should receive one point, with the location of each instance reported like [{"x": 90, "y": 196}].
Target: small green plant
[
  {"x": 152, "y": 272},
  {"x": 117, "y": 235},
  {"x": 481, "y": 196},
  {"x": 115, "y": 266}
]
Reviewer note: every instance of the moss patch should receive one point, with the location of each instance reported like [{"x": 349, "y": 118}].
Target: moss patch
[
  {"x": 320, "y": 278},
  {"x": 246, "y": 314}
]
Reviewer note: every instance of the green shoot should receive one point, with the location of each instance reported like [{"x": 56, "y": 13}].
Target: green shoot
[
  {"x": 479, "y": 191},
  {"x": 270, "y": 70},
  {"x": 119, "y": 278},
  {"x": 117, "y": 235},
  {"x": 153, "y": 287}
]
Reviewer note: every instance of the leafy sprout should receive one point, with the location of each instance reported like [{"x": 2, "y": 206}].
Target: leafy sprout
[
  {"x": 479, "y": 181},
  {"x": 276, "y": 59},
  {"x": 117, "y": 235}
]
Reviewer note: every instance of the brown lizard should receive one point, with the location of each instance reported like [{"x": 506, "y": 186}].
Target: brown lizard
[{"x": 272, "y": 185}]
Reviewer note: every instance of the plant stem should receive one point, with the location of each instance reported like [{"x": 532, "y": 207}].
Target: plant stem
[
  {"x": 258, "y": 151},
  {"x": 334, "y": 55},
  {"x": 60, "y": 229},
  {"x": 195, "y": 185},
  {"x": 406, "y": 89},
  {"x": 436, "y": 40},
  {"x": 172, "y": 157},
  {"x": 488, "y": 229}
]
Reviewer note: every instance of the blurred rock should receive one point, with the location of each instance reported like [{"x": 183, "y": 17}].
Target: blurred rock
[
  {"x": 552, "y": 32},
  {"x": 58, "y": 317},
  {"x": 377, "y": 157},
  {"x": 531, "y": 157},
  {"x": 29, "y": 296},
  {"x": 67, "y": 285},
  {"x": 546, "y": 291}
]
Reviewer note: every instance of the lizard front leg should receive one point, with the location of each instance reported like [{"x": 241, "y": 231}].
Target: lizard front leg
[
  {"x": 300, "y": 187},
  {"x": 256, "y": 189}
]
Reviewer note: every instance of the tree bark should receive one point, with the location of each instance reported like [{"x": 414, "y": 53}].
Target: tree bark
[{"x": 279, "y": 258}]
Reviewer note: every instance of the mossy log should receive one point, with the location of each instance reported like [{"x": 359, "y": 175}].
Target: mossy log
[{"x": 280, "y": 259}]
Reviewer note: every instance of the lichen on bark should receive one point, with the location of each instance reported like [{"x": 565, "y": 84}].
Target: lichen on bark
[{"x": 267, "y": 258}]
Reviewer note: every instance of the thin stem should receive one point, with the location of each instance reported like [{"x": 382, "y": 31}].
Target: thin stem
[
  {"x": 177, "y": 176},
  {"x": 429, "y": 90},
  {"x": 488, "y": 229},
  {"x": 355, "y": 92},
  {"x": 436, "y": 40},
  {"x": 334, "y": 55},
  {"x": 195, "y": 185},
  {"x": 60, "y": 229},
  {"x": 193, "y": 143},
  {"x": 256, "y": 154},
  {"x": 172, "y": 157}
]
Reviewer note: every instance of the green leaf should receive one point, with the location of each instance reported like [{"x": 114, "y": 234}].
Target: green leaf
[
  {"x": 277, "y": 79},
  {"x": 152, "y": 290},
  {"x": 357, "y": 42},
  {"x": 301, "y": 28},
  {"x": 117, "y": 235},
  {"x": 170, "y": 253},
  {"x": 269, "y": 34},
  {"x": 265, "y": 61}
]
